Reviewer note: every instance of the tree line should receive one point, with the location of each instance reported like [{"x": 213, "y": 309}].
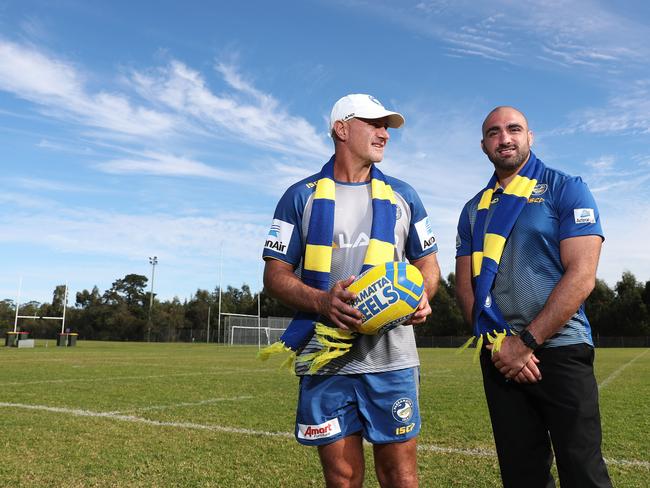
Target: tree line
[{"x": 127, "y": 312}]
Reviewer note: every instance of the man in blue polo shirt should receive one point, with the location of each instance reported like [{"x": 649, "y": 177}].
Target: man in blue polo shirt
[
  {"x": 371, "y": 392},
  {"x": 539, "y": 384}
]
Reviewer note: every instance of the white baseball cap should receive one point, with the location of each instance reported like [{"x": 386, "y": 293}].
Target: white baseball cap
[{"x": 363, "y": 106}]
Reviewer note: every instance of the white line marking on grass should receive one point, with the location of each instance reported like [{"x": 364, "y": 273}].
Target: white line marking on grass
[
  {"x": 454, "y": 450},
  {"x": 119, "y": 378},
  {"x": 628, "y": 462},
  {"x": 183, "y": 404},
  {"x": 130, "y": 418},
  {"x": 619, "y": 370},
  {"x": 475, "y": 452}
]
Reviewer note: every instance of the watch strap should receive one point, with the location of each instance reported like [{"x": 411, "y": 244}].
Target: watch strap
[{"x": 529, "y": 340}]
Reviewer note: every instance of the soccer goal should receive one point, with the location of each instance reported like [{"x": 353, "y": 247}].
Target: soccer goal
[{"x": 251, "y": 330}]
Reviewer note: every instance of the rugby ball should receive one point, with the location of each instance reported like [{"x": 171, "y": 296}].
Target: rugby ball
[{"x": 387, "y": 295}]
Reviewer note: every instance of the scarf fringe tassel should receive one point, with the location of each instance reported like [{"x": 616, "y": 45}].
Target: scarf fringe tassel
[
  {"x": 496, "y": 340},
  {"x": 278, "y": 348},
  {"x": 336, "y": 342}
]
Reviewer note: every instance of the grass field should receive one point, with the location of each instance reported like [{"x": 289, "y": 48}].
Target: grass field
[{"x": 126, "y": 414}]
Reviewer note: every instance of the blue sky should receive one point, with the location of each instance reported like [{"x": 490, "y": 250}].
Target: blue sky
[{"x": 134, "y": 129}]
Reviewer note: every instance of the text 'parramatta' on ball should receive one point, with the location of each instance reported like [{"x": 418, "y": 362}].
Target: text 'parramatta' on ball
[{"x": 387, "y": 295}]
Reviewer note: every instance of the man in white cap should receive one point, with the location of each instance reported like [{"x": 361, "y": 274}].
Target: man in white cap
[{"x": 345, "y": 215}]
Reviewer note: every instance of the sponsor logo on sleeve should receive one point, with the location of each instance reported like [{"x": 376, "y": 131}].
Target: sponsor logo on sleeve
[
  {"x": 425, "y": 233},
  {"x": 279, "y": 236},
  {"x": 320, "y": 431},
  {"x": 459, "y": 241},
  {"x": 584, "y": 216}
]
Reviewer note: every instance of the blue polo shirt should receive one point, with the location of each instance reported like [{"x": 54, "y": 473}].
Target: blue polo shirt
[
  {"x": 560, "y": 207},
  {"x": 414, "y": 239}
]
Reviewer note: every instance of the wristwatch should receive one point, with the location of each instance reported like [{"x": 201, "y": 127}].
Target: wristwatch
[{"x": 529, "y": 340}]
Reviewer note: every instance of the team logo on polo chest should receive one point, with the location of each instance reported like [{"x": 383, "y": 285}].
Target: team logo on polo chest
[{"x": 539, "y": 189}]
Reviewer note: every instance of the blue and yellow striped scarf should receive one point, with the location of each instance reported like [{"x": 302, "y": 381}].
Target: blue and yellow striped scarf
[
  {"x": 318, "y": 260},
  {"x": 488, "y": 242}
]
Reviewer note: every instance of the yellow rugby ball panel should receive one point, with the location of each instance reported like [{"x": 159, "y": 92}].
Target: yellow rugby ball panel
[{"x": 387, "y": 295}]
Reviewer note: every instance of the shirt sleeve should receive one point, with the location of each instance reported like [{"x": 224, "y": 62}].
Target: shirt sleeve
[
  {"x": 420, "y": 241},
  {"x": 284, "y": 240},
  {"x": 464, "y": 234},
  {"x": 577, "y": 210}
]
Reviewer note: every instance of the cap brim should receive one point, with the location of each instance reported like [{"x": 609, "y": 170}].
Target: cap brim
[{"x": 395, "y": 120}]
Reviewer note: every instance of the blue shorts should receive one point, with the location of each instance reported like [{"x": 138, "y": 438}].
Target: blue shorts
[{"x": 382, "y": 406}]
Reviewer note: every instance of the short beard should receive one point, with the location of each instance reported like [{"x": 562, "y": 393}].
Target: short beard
[{"x": 510, "y": 164}]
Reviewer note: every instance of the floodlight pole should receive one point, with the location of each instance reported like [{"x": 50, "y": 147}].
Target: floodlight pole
[
  {"x": 152, "y": 261},
  {"x": 259, "y": 310},
  {"x": 207, "y": 336},
  {"x": 220, "y": 277}
]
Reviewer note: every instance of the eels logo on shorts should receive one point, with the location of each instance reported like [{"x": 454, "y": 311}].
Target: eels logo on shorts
[{"x": 403, "y": 410}]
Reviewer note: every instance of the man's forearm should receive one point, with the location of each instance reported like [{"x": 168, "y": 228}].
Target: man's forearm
[
  {"x": 580, "y": 260},
  {"x": 428, "y": 267},
  {"x": 281, "y": 283},
  {"x": 464, "y": 291},
  {"x": 284, "y": 285},
  {"x": 565, "y": 299}
]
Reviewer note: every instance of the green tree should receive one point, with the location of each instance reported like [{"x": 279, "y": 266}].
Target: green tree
[
  {"x": 196, "y": 313},
  {"x": 126, "y": 300},
  {"x": 629, "y": 312},
  {"x": 599, "y": 308},
  {"x": 89, "y": 319},
  {"x": 128, "y": 290},
  {"x": 169, "y": 318},
  {"x": 646, "y": 295},
  {"x": 272, "y": 307},
  {"x": 7, "y": 314},
  {"x": 445, "y": 318}
]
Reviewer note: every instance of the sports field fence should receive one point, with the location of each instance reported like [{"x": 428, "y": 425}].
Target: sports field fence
[{"x": 251, "y": 331}]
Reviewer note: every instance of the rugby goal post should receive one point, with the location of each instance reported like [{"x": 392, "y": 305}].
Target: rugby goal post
[{"x": 18, "y": 316}]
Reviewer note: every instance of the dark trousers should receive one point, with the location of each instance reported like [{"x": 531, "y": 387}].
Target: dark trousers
[{"x": 561, "y": 410}]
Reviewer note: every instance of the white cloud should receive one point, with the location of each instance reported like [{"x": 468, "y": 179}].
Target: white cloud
[
  {"x": 39, "y": 184},
  {"x": 174, "y": 103},
  {"x": 90, "y": 231},
  {"x": 642, "y": 159},
  {"x": 167, "y": 165},
  {"x": 58, "y": 87},
  {"x": 604, "y": 162},
  {"x": 629, "y": 113},
  {"x": 179, "y": 103},
  {"x": 257, "y": 120},
  {"x": 584, "y": 33},
  {"x": 112, "y": 244}
]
